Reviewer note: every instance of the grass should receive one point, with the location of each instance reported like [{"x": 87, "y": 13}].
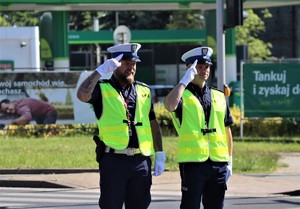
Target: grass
[
  {"x": 56, "y": 152},
  {"x": 248, "y": 157},
  {"x": 79, "y": 152}
]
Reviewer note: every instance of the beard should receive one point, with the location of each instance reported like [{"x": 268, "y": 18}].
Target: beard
[{"x": 125, "y": 79}]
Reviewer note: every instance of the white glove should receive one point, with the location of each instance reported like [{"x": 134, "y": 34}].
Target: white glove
[
  {"x": 159, "y": 163},
  {"x": 189, "y": 74},
  {"x": 109, "y": 65},
  {"x": 229, "y": 169}
]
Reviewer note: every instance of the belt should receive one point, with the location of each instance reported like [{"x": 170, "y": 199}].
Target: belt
[{"x": 129, "y": 151}]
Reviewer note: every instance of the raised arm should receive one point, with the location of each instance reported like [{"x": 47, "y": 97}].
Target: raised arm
[
  {"x": 84, "y": 92},
  {"x": 173, "y": 98},
  {"x": 86, "y": 88}
]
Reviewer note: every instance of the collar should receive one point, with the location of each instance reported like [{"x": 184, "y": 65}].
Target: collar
[{"x": 194, "y": 88}]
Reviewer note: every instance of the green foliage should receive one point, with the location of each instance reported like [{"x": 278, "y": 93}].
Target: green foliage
[
  {"x": 187, "y": 19},
  {"x": 43, "y": 96},
  {"x": 251, "y": 158},
  {"x": 135, "y": 19},
  {"x": 57, "y": 152},
  {"x": 277, "y": 127},
  {"x": 164, "y": 120},
  {"x": 83, "y": 20},
  {"x": 256, "y": 127},
  {"x": 79, "y": 152},
  {"x": 248, "y": 35},
  {"x": 19, "y": 18},
  {"x": 46, "y": 131},
  {"x": 265, "y": 127}
]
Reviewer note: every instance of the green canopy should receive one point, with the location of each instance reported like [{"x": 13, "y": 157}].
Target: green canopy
[{"x": 119, "y": 5}]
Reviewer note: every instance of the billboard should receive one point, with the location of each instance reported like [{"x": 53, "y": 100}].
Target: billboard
[
  {"x": 58, "y": 89},
  {"x": 271, "y": 90}
]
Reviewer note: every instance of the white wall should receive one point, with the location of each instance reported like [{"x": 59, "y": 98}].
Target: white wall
[{"x": 26, "y": 57}]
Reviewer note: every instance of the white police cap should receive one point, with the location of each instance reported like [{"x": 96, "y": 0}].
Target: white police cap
[
  {"x": 202, "y": 54},
  {"x": 129, "y": 51}
]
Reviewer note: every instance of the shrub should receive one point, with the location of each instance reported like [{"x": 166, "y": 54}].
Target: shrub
[{"x": 254, "y": 127}]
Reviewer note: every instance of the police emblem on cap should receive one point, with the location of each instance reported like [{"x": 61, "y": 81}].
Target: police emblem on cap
[
  {"x": 133, "y": 47},
  {"x": 204, "y": 51}
]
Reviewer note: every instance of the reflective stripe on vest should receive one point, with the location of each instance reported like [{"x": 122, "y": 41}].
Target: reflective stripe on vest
[
  {"x": 193, "y": 145},
  {"x": 113, "y": 131}
]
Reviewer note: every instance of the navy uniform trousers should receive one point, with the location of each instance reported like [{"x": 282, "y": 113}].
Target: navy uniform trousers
[
  {"x": 125, "y": 180},
  {"x": 203, "y": 181}
]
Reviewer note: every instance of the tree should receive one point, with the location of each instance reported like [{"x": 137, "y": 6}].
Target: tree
[
  {"x": 135, "y": 19},
  {"x": 190, "y": 19},
  {"x": 143, "y": 20},
  {"x": 248, "y": 35},
  {"x": 83, "y": 20},
  {"x": 11, "y": 18}
]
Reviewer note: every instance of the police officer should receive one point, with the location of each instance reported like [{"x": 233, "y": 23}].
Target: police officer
[
  {"x": 202, "y": 118},
  {"x": 128, "y": 130}
]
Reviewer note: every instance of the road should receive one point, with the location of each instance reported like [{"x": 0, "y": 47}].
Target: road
[{"x": 33, "y": 198}]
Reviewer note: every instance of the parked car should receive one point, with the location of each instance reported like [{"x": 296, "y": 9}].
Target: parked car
[{"x": 159, "y": 92}]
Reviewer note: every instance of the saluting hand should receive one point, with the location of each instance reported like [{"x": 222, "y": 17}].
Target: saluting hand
[
  {"x": 189, "y": 74},
  {"x": 109, "y": 65}
]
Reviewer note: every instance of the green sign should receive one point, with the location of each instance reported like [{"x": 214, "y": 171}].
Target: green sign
[
  {"x": 6, "y": 65},
  {"x": 272, "y": 90},
  {"x": 140, "y": 36}
]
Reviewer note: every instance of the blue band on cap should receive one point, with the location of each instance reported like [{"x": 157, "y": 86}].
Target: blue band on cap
[
  {"x": 201, "y": 60},
  {"x": 125, "y": 54}
]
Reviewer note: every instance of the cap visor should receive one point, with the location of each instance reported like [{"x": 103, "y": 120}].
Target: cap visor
[{"x": 134, "y": 59}]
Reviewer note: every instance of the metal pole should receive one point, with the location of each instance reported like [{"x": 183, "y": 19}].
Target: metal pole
[
  {"x": 117, "y": 18},
  {"x": 241, "y": 99},
  {"x": 98, "y": 48},
  {"x": 220, "y": 45}
]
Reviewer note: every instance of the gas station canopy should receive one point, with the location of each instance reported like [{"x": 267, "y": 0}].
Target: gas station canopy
[{"x": 119, "y": 5}]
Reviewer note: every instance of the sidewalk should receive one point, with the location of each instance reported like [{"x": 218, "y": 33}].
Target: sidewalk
[
  {"x": 168, "y": 183},
  {"x": 284, "y": 181}
]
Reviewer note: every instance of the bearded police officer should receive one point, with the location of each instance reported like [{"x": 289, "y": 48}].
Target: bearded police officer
[
  {"x": 128, "y": 130},
  {"x": 202, "y": 118}
]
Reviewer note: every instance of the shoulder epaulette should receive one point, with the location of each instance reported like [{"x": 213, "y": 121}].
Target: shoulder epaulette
[
  {"x": 141, "y": 83},
  {"x": 214, "y": 88},
  {"x": 104, "y": 80}
]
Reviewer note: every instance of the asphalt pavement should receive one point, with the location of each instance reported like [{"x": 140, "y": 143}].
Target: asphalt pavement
[{"x": 285, "y": 181}]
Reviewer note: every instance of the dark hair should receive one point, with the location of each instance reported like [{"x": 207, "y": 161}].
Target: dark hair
[{"x": 6, "y": 101}]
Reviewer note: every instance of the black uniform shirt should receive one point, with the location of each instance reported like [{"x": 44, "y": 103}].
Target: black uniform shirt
[
  {"x": 204, "y": 96},
  {"x": 96, "y": 101}
]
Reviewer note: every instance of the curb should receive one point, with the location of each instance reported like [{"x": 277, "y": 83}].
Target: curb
[
  {"x": 38, "y": 183},
  {"x": 46, "y": 171},
  {"x": 31, "y": 184}
]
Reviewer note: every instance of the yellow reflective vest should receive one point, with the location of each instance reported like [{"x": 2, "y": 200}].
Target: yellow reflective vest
[
  {"x": 113, "y": 131},
  {"x": 193, "y": 144}
]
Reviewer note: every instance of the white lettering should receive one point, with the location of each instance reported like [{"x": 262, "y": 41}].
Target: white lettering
[
  {"x": 6, "y": 84},
  {"x": 272, "y": 76},
  {"x": 274, "y": 90},
  {"x": 296, "y": 89}
]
